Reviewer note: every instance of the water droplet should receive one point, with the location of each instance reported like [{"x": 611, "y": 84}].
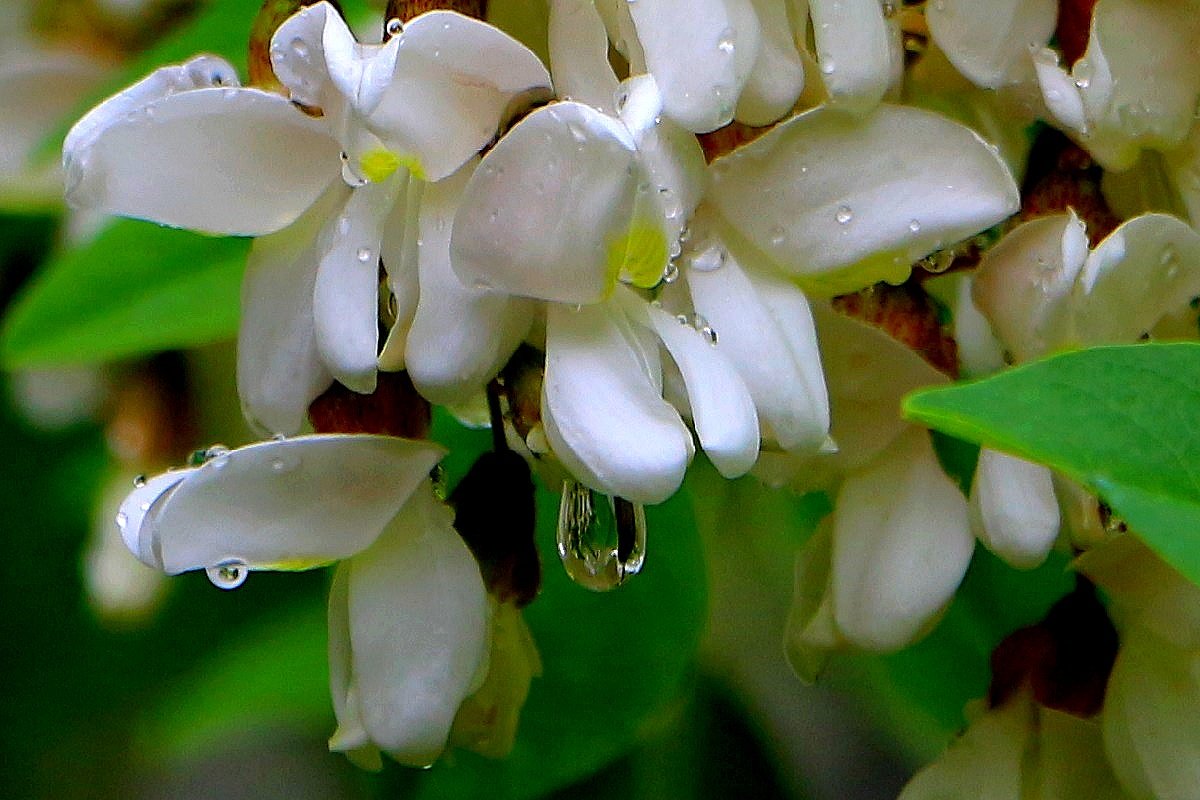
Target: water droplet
[
  {"x": 601, "y": 541},
  {"x": 139, "y": 481},
  {"x": 843, "y": 215},
  {"x": 725, "y": 42},
  {"x": 709, "y": 260},
  {"x": 777, "y": 234},
  {"x": 300, "y": 49},
  {"x": 394, "y": 27},
  {"x": 682, "y": 319},
  {"x": 364, "y": 254},
  {"x": 343, "y": 225},
  {"x": 122, "y": 520},
  {"x": 217, "y": 455},
  {"x": 889, "y": 10},
  {"x": 914, "y": 226},
  {"x": 698, "y": 321},
  {"x": 228, "y": 574},
  {"x": 709, "y": 333},
  {"x": 671, "y": 273},
  {"x": 827, "y": 66}
]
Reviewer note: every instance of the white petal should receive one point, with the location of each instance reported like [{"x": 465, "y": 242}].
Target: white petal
[
  {"x": 288, "y": 504},
  {"x": 854, "y": 51},
  {"x": 979, "y": 352},
  {"x": 460, "y": 336},
  {"x": 1146, "y": 269},
  {"x": 777, "y": 78},
  {"x": 346, "y": 292},
  {"x": 674, "y": 162},
  {"x": 544, "y": 212},
  {"x": 901, "y": 545},
  {"x": 361, "y": 73},
  {"x": 604, "y": 417},
  {"x": 401, "y": 253},
  {"x": 700, "y": 52},
  {"x": 1183, "y": 164},
  {"x": 1060, "y": 93},
  {"x": 1072, "y": 764},
  {"x": 579, "y": 54},
  {"x": 1023, "y": 284},
  {"x": 986, "y": 39},
  {"x": 419, "y": 621},
  {"x": 845, "y": 202},
  {"x": 1013, "y": 508},
  {"x": 134, "y": 509},
  {"x": 986, "y": 763},
  {"x": 455, "y": 80},
  {"x": 639, "y": 105},
  {"x": 279, "y": 370},
  {"x": 298, "y": 54},
  {"x": 775, "y": 353},
  {"x": 1151, "y": 718},
  {"x": 811, "y": 631},
  {"x": 721, "y": 405},
  {"x": 223, "y": 160}
]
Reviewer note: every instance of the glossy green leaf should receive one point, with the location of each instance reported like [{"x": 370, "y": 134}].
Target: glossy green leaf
[
  {"x": 137, "y": 288},
  {"x": 1123, "y": 421},
  {"x": 615, "y": 665}
]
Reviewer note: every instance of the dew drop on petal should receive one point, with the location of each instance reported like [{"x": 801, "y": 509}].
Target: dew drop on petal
[
  {"x": 394, "y": 27},
  {"x": 671, "y": 273},
  {"x": 363, "y": 254},
  {"x": 914, "y": 226},
  {"x": 139, "y": 481},
  {"x": 843, "y": 215},
  {"x": 709, "y": 260},
  {"x": 228, "y": 574},
  {"x": 122, "y": 520},
  {"x": 601, "y": 541},
  {"x": 725, "y": 42},
  {"x": 777, "y": 235}
]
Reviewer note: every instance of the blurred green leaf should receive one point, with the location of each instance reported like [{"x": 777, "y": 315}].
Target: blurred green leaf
[
  {"x": 615, "y": 664},
  {"x": 1123, "y": 421},
  {"x": 137, "y": 288}
]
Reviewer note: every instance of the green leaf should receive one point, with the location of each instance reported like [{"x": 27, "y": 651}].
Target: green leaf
[
  {"x": 1123, "y": 421},
  {"x": 615, "y": 667},
  {"x": 137, "y": 288}
]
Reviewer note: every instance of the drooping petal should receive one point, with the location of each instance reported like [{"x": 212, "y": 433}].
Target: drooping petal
[
  {"x": 1151, "y": 717},
  {"x": 700, "y": 52},
  {"x": 775, "y": 353},
  {"x": 1013, "y": 508},
  {"x": 223, "y": 160},
  {"x": 1024, "y": 283},
  {"x": 298, "y": 54},
  {"x": 455, "y": 80},
  {"x": 279, "y": 369},
  {"x": 351, "y": 736},
  {"x": 854, "y": 51},
  {"x": 1146, "y": 269},
  {"x": 604, "y": 417},
  {"x": 777, "y": 78},
  {"x": 987, "y": 40},
  {"x": 461, "y": 336},
  {"x": 287, "y": 504},
  {"x": 346, "y": 290},
  {"x": 901, "y": 545},
  {"x": 579, "y": 54},
  {"x": 547, "y": 213},
  {"x": 419, "y": 630},
  {"x": 843, "y": 202},
  {"x": 721, "y": 405},
  {"x": 985, "y": 763}
]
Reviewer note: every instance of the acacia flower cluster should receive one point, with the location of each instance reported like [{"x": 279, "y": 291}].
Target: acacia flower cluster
[{"x": 649, "y": 243}]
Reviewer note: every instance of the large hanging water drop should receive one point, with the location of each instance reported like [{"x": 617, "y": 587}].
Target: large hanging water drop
[
  {"x": 601, "y": 540},
  {"x": 228, "y": 575}
]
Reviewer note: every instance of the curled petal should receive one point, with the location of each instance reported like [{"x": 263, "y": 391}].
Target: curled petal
[
  {"x": 842, "y": 202},
  {"x": 605, "y": 417},
  {"x": 1023, "y": 285},
  {"x": 286, "y": 504},
  {"x": 901, "y": 545},
  {"x": 548, "y": 211},
  {"x": 854, "y": 51},
  {"x": 989, "y": 40},
  {"x": 223, "y": 160}
]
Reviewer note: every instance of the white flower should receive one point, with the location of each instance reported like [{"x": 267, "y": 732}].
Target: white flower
[
  {"x": 718, "y": 60},
  {"x": 989, "y": 41},
  {"x": 409, "y": 615},
  {"x": 1042, "y": 290},
  {"x": 1136, "y": 86},
  {"x": 888, "y": 561},
  {"x": 338, "y": 192}
]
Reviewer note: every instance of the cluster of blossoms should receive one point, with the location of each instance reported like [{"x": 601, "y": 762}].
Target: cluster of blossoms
[{"x": 660, "y": 240}]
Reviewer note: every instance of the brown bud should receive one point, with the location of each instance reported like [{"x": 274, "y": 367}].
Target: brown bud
[
  {"x": 404, "y": 10},
  {"x": 393, "y": 409}
]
